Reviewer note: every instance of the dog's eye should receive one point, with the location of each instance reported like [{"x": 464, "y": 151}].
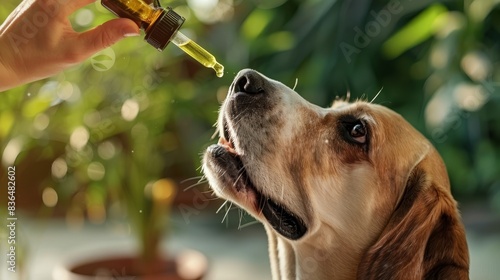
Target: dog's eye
[{"x": 356, "y": 131}]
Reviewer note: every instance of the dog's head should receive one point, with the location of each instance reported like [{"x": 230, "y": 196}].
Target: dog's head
[
  {"x": 356, "y": 174},
  {"x": 296, "y": 166}
]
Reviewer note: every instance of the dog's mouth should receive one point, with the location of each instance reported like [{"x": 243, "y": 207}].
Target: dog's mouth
[{"x": 230, "y": 168}]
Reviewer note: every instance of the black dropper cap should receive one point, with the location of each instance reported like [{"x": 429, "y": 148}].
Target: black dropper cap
[{"x": 161, "y": 31}]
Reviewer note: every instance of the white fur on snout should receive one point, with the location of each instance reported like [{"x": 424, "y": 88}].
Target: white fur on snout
[{"x": 270, "y": 171}]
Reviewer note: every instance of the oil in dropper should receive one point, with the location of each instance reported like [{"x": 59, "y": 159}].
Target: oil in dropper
[
  {"x": 161, "y": 26},
  {"x": 197, "y": 52}
]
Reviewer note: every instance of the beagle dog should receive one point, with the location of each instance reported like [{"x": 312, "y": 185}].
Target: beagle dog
[{"x": 348, "y": 192}]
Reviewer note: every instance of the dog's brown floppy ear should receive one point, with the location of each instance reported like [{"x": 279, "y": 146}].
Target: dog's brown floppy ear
[{"x": 424, "y": 238}]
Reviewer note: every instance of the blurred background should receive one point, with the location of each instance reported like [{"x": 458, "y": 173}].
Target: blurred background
[{"x": 108, "y": 152}]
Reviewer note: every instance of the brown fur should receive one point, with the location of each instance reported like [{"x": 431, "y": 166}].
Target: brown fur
[{"x": 424, "y": 238}]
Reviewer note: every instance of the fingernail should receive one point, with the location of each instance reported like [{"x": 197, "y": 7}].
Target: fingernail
[{"x": 132, "y": 34}]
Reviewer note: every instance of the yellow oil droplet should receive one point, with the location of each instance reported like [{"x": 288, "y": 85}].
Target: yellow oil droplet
[{"x": 202, "y": 56}]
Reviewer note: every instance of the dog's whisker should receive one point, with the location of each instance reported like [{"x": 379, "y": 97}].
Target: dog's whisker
[
  {"x": 296, "y": 83},
  {"x": 207, "y": 191},
  {"x": 194, "y": 185},
  {"x": 248, "y": 224},
  {"x": 201, "y": 180},
  {"x": 222, "y": 206},
  {"x": 192, "y": 178},
  {"x": 212, "y": 193},
  {"x": 215, "y": 134},
  {"x": 241, "y": 217},
  {"x": 262, "y": 203},
  {"x": 200, "y": 168},
  {"x": 239, "y": 176},
  {"x": 227, "y": 212},
  {"x": 373, "y": 99}
]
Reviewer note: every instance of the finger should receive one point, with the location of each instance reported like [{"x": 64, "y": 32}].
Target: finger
[
  {"x": 70, "y": 6},
  {"x": 61, "y": 7},
  {"x": 77, "y": 4},
  {"x": 107, "y": 34}
]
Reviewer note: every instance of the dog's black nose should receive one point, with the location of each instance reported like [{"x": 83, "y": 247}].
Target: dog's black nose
[{"x": 248, "y": 81}]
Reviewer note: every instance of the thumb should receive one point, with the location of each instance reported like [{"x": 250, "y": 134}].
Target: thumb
[{"x": 107, "y": 34}]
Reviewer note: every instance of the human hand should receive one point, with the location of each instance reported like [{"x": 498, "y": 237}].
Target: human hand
[{"x": 38, "y": 41}]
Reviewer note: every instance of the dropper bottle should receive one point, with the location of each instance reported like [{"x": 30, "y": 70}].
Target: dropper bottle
[{"x": 162, "y": 26}]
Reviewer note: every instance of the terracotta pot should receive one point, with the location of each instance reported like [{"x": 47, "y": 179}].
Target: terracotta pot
[{"x": 188, "y": 265}]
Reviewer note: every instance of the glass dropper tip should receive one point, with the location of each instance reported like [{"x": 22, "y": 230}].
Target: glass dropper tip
[{"x": 219, "y": 69}]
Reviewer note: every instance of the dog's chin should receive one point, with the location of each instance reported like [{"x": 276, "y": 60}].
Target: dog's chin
[{"x": 234, "y": 183}]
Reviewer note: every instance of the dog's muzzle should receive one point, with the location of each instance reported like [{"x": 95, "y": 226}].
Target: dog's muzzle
[{"x": 224, "y": 161}]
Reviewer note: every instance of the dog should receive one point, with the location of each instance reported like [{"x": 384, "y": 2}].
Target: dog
[{"x": 347, "y": 192}]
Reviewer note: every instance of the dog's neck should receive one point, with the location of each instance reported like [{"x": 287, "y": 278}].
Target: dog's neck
[{"x": 313, "y": 260}]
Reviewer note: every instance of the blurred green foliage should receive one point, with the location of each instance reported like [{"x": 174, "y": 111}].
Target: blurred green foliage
[{"x": 131, "y": 115}]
